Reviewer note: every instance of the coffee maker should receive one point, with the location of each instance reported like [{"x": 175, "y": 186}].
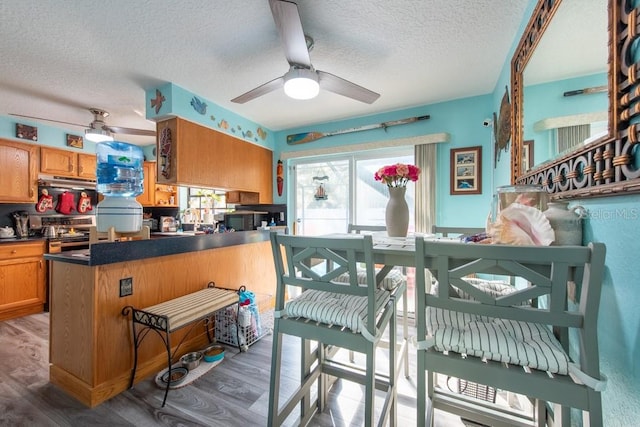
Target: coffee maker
[{"x": 22, "y": 223}]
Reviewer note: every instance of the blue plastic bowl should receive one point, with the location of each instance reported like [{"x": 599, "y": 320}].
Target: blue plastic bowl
[{"x": 213, "y": 353}]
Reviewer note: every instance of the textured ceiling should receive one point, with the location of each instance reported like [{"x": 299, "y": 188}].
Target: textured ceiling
[
  {"x": 61, "y": 57},
  {"x": 575, "y": 43}
]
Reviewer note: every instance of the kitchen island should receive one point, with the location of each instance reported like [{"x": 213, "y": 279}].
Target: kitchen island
[{"x": 91, "y": 350}]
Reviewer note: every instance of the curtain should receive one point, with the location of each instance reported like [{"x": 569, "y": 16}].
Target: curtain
[
  {"x": 425, "y": 210},
  {"x": 571, "y": 136}
]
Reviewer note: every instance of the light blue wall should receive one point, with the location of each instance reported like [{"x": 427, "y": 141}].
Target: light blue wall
[
  {"x": 614, "y": 221},
  {"x": 461, "y": 119},
  {"x": 177, "y": 101},
  {"x": 47, "y": 135},
  {"x": 546, "y": 101}
]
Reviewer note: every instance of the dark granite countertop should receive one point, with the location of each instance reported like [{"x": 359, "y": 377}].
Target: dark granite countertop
[
  {"x": 23, "y": 239},
  {"x": 114, "y": 252}
]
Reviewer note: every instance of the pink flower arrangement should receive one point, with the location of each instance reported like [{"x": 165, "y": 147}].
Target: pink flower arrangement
[{"x": 397, "y": 175}]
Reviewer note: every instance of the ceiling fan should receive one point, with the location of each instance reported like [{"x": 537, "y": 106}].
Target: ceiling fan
[
  {"x": 302, "y": 81},
  {"x": 98, "y": 130}
]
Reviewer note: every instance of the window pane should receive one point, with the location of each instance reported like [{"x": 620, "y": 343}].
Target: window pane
[
  {"x": 322, "y": 197},
  {"x": 372, "y": 196}
]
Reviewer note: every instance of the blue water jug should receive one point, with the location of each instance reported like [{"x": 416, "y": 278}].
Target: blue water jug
[
  {"x": 119, "y": 171},
  {"x": 120, "y": 177}
]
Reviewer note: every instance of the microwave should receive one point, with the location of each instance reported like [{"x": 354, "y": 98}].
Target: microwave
[{"x": 244, "y": 220}]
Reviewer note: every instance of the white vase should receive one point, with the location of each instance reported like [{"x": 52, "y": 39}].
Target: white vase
[
  {"x": 397, "y": 213},
  {"x": 566, "y": 223}
]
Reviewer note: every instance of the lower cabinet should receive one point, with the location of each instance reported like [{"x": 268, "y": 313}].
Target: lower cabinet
[{"x": 22, "y": 279}]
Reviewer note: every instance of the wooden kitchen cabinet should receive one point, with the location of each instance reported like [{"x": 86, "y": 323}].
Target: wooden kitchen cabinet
[
  {"x": 156, "y": 194},
  {"x": 18, "y": 163},
  {"x": 148, "y": 197},
  {"x": 22, "y": 279},
  {"x": 203, "y": 157},
  {"x": 244, "y": 197},
  {"x": 59, "y": 162},
  {"x": 87, "y": 164}
]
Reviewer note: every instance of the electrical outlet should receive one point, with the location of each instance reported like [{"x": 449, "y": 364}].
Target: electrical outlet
[{"x": 126, "y": 287}]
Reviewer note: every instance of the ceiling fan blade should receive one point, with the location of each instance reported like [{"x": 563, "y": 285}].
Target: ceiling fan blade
[
  {"x": 259, "y": 91},
  {"x": 344, "y": 87},
  {"x": 287, "y": 19},
  {"x": 130, "y": 131},
  {"x": 47, "y": 120}
]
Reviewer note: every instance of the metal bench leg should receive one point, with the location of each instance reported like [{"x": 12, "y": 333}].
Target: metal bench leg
[{"x": 167, "y": 343}]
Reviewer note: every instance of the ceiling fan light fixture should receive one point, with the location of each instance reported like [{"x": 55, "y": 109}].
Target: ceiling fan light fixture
[
  {"x": 98, "y": 135},
  {"x": 301, "y": 83}
]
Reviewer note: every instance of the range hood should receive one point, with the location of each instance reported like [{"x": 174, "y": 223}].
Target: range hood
[{"x": 65, "y": 182}]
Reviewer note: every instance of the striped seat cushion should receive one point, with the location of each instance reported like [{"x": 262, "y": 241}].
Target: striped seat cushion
[
  {"x": 501, "y": 340},
  {"x": 391, "y": 281},
  {"x": 191, "y": 307},
  {"x": 519, "y": 343},
  {"x": 335, "y": 309}
]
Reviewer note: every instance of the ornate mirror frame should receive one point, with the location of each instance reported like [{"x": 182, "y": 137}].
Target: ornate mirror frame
[{"x": 608, "y": 166}]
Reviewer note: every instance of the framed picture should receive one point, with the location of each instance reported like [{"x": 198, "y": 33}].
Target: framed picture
[
  {"x": 75, "y": 141},
  {"x": 466, "y": 170},
  {"x": 26, "y": 132},
  {"x": 527, "y": 154}
]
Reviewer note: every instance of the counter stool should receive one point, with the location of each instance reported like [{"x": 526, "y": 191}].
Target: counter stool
[{"x": 351, "y": 316}]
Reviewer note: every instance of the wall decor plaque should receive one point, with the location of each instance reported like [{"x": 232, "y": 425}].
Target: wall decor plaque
[
  {"x": 26, "y": 132},
  {"x": 75, "y": 141}
]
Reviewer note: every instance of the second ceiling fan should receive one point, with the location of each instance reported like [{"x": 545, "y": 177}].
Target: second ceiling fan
[
  {"x": 302, "y": 81},
  {"x": 98, "y": 130}
]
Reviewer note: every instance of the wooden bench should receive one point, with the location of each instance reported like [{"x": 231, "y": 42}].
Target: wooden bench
[{"x": 169, "y": 316}]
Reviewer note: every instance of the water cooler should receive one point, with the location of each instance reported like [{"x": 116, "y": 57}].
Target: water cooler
[{"x": 119, "y": 179}]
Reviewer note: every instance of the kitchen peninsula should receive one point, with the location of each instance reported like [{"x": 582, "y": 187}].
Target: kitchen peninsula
[{"x": 91, "y": 350}]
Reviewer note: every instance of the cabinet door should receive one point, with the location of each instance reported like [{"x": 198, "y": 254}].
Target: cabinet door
[
  {"x": 58, "y": 162},
  {"x": 87, "y": 166},
  {"x": 18, "y": 176},
  {"x": 22, "y": 280},
  {"x": 148, "y": 197},
  {"x": 243, "y": 197}
]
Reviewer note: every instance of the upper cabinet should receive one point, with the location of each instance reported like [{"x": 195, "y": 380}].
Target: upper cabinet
[
  {"x": 193, "y": 155},
  {"x": 147, "y": 198},
  {"x": 67, "y": 163},
  {"x": 18, "y": 178},
  {"x": 244, "y": 197},
  {"x": 87, "y": 164}
]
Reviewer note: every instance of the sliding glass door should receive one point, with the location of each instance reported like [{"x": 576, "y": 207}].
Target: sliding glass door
[
  {"x": 333, "y": 191},
  {"x": 322, "y": 196}
]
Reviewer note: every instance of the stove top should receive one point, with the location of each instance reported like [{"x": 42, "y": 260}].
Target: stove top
[{"x": 62, "y": 222}]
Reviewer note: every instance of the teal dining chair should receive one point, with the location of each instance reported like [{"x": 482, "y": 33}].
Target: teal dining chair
[
  {"x": 531, "y": 339},
  {"x": 396, "y": 279},
  {"x": 329, "y": 315}
]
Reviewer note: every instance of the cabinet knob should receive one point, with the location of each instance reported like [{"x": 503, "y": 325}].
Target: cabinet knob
[{"x": 14, "y": 251}]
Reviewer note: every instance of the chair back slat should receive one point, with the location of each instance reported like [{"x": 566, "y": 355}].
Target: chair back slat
[
  {"x": 315, "y": 262},
  {"x": 364, "y": 229},
  {"x": 545, "y": 271},
  {"x": 446, "y": 231}
]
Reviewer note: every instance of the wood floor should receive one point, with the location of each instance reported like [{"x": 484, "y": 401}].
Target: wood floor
[{"x": 235, "y": 393}]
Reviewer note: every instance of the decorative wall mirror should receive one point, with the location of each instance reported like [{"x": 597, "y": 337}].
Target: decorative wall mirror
[{"x": 575, "y": 94}]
